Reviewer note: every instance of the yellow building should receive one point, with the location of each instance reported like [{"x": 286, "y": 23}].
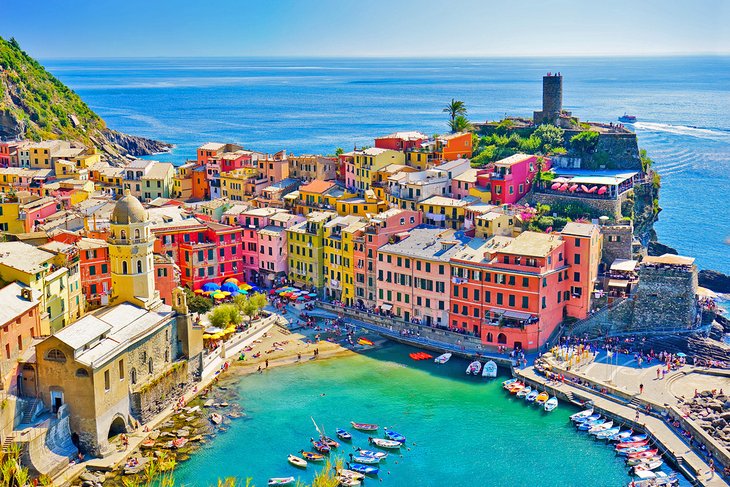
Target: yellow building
[
  {"x": 107, "y": 178},
  {"x": 35, "y": 268},
  {"x": 368, "y": 161},
  {"x": 131, "y": 255},
  {"x": 361, "y": 206},
  {"x": 67, "y": 255},
  {"x": 339, "y": 267},
  {"x": 494, "y": 223},
  {"x": 234, "y": 183},
  {"x": 421, "y": 159},
  {"x": 321, "y": 195},
  {"x": 443, "y": 212},
  {"x": 182, "y": 182},
  {"x": 306, "y": 249},
  {"x": 380, "y": 178}
]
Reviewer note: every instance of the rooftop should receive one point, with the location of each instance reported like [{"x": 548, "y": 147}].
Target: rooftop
[
  {"x": 532, "y": 244},
  {"x": 445, "y": 201},
  {"x": 91, "y": 243},
  {"x": 24, "y": 257},
  {"x": 468, "y": 176},
  {"x": 606, "y": 177},
  {"x": 409, "y": 135},
  {"x": 159, "y": 170},
  {"x": 512, "y": 160},
  {"x": 213, "y": 146},
  {"x": 99, "y": 337},
  {"x": 317, "y": 186},
  {"x": 576, "y": 229},
  {"x": 669, "y": 259},
  {"x": 14, "y": 305},
  {"x": 426, "y": 242}
]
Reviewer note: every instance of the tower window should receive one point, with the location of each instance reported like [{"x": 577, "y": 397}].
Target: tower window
[
  {"x": 139, "y": 267},
  {"x": 124, "y": 267}
]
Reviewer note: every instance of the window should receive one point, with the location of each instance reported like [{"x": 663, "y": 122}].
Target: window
[
  {"x": 576, "y": 258},
  {"x": 525, "y": 282},
  {"x": 82, "y": 373},
  {"x": 124, "y": 267},
  {"x": 511, "y": 299},
  {"x": 139, "y": 267},
  {"x": 576, "y": 276},
  {"x": 92, "y": 270},
  {"x": 121, "y": 370},
  {"x": 525, "y": 302},
  {"x": 107, "y": 381},
  {"x": 500, "y": 298},
  {"x": 104, "y": 269},
  {"x": 151, "y": 365},
  {"x": 133, "y": 375},
  {"x": 544, "y": 302},
  {"x": 577, "y": 242},
  {"x": 55, "y": 355}
]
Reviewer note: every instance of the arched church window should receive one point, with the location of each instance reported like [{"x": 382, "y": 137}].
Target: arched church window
[
  {"x": 136, "y": 233},
  {"x": 123, "y": 235},
  {"x": 139, "y": 267},
  {"x": 124, "y": 267}
]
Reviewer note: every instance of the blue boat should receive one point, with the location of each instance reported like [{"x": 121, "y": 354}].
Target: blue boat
[
  {"x": 585, "y": 419},
  {"x": 631, "y": 439},
  {"x": 392, "y": 435},
  {"x": 621, "y": 436},
  {"x": 364, "y": 469},
  {"x": 343, "y": 435},
  {"x": 636, "y": 449},
  {"x": 602, "y": 435},
  {"x": 589, "y": 424},
  {"x": 371, "y": 453}
]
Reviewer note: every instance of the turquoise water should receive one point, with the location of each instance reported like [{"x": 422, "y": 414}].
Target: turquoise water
[
  {"x": 315, "y": 105},
  {"x": 461, "y": 430}
]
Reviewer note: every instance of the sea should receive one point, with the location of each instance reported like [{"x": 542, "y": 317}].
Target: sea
[
  {"x": 460, "y": 430},
  {"x": 317, "y": 105}
]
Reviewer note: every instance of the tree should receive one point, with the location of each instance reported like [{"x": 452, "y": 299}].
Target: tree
[
  {"x": 646, "y": 161},
  {"x": 455, "y": 108},
  {"x": 224, "y": 315},
  {"x": 551, "y": 137},
  {"x": 584, "y": 142},
  {"x": 339, "y": 151},
  {"x": 259, "y": 300},
  {"x": 198, "y": 304},
  {"x": 459, "y": 124}
]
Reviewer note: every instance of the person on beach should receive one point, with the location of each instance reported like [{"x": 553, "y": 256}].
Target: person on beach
[{"x": 267, "y": 363}]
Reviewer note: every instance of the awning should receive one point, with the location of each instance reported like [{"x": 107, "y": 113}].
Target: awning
[
  {"x": 386, "y": 307},
  {"x": 517, "y": 315},
  {"x": 625, "y": 265},
  {"x": 617, "y": 283}
]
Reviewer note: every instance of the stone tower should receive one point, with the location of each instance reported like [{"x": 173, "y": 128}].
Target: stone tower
[
  {"x": 552, "y": 99},
  {"x": 131, "y": 254}
]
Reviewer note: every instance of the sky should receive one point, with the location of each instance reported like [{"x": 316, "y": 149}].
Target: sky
[{"x": 365, "y": 28}]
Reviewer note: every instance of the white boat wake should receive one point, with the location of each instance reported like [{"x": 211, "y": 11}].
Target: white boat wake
[{"x": 700, "y": 133}]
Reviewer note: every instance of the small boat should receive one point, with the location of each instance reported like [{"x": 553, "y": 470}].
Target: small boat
[
  {"x": 602, "y": 435},
  {"x": 390, "y": 444},
  {"x": 380, "y": 455},
  {"x": 443, "y": 358},
  {"x": 657, "y": 479},
  {"x": 626, "y": 118},
  {"x": 641, "y": 437},
  {"x": 311, "y": 456},
  {"x": 551, "y": 404},
  {"x": 516, "y": 387},
  {"x": 223, "y": 405},
  {"x": 297, "y": 461},
  {"x": 343, "y": 434},
  {"x": 348, "y": 482},
  {"x": 329, "y": 442},
  {"x": 216, "y": 418},
  {"x": 621, "y": 436},
  {"x": 631, "y": 444},
  {"x": 281, "y": 481},
  {"x": 638, "y": 461},
  {"x": 651, "y": 465},
  {"x": 490, "y": 369},
  {"x": 364, "y": 426},
  {"x": 583, "y": 414},
  {"x": 595, "y": 429},
  {"x": 474, "y": 368},
  {"x": 644, "y": 453},
  {"x": 532, "y": 395},
  {"x": 364, "y": 341},
  {"x": 392, "y": 435},
  {"x": 364, "y": 459},
  {"x": 590, "y": 424},
  {"x": 320, "y": 446},
  {"x": 524, "y": 392},
  {"x": 508, "y": 382},
  {"x": 587, "y": 419},
  {"x": 634, "y": 449},
  {"x": 350, "y": 474},
  {"x": 542, "y": 398},
  {"x": 364, "y": 469}
]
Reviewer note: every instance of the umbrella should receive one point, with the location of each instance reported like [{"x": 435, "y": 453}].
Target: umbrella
[
  {"x": 312, "y": 295},
  {"x": 602, "y": 189},
  {"x": 199, "y": 291},
  {"x": 246, "y": 286},
  {"x": 212, "y": 330},
  {"x": 226, "y": 293},
  {"x": 680, "y": 354},
  {"x": 206, "y": 336},
  {"x": 233, "y": 280},
  {"x": 219, "y": 296},
  {"x": 555, "y": 186},
  {"x": 210, "y": 286},
  {"x": 229, "y": 287}
]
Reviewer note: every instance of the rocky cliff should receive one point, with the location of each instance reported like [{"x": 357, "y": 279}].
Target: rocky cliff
[{"x": 35, "y": 105}]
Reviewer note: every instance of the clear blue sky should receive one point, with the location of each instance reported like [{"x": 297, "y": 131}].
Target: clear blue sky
[{"x": 150, "y": 28}]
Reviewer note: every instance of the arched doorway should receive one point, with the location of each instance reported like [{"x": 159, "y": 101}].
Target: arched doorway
[
  {"x": 490, "y": 337},
  {"x": 502, "y": 339},
  {"x": 117, "y": 427}
]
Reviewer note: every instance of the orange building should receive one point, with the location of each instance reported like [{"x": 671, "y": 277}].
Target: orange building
[
  {"x": 454, "y": 146},
  {"x": 96, "y": 278},
  {"x": 201, "y": 187}
]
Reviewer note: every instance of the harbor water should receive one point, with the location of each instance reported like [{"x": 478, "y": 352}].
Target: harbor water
[{"x": 460, "y": 430}]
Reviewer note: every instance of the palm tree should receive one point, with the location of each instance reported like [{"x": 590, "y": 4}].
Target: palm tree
[
  {"x": 455, "y": 108},
  {"x": 459, "y": 124}
]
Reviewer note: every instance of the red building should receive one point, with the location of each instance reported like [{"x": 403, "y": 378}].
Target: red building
[
  {"x": 515, "y": 291},
  {"x": 203, "y": 251},
  {"x": 401, "y": 141},
  {"x": 96, "y": 278},
  {"x": 167, "y": 277}
]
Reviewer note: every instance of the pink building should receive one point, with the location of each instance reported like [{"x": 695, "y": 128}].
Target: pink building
[
  {"x": 35, "y": 212},
  {"x": 273, "y": 253},
  {"x": 509, "y": 179},
  {"x": 461, "y": 183},
  {"x": 413, "y": 275},
  {"x": 381, "y": 228}
]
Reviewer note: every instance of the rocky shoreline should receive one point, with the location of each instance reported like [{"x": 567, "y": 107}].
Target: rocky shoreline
[{"x": 712, "y": 412}]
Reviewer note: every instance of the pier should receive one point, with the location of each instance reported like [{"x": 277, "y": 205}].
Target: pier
[{"x": 689, "y": 463}]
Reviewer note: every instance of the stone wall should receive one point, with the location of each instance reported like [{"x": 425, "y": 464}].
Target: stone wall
[
  {"x": 617, "y": 242},
  {"x": 614, "y": 150},
  {"x": 154, "y": 396},
  {"x": 598, "y": 207},
  {"x": 665, "y": 298}
]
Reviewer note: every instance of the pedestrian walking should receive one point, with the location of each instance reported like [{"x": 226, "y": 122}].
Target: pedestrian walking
[
  {"x": 267, "y": 363},
  {"x": 641, "y": 388}
]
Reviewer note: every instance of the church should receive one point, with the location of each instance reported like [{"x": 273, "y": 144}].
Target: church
[{"x": 116, "y": 368}]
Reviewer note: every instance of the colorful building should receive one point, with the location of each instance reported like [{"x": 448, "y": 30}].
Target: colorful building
[
  {"x": 413, "y": 274},
  {"x": 310, "y": 167},
  {"x": 19, "y": 323},
  {"x": 444, "y": 212},
  {"x": 338, "y": 258},
  {"x": 510, "y": 179},
  {"x": 361, "y": 164},
  {"x": 306, "y": 250},
  {"x": 67, "y": 255},
  {"x": 401, "y": 141},
  {"x": 96, "y": 278},
  {"x": 272, "y": 240}
]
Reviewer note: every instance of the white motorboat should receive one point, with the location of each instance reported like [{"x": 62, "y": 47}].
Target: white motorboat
[
  {"x": 442, "y": 359},
  {"x": 583, "y": 414},
  {"x": 551, "y": 404},
  {"x": 474, "y": 368},
  {"x": 524, "y": 392},
  {"x": 490, "y": 369}
]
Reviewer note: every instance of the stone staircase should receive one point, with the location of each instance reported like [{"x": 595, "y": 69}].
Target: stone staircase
[
  {"x": 6, "y": 444},
  {"x": 569, "y": 395},
  {"x": 29, "y": 410}
]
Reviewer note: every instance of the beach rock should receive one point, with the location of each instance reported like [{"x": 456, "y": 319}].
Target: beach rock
[{"x": 715, "y": 281}]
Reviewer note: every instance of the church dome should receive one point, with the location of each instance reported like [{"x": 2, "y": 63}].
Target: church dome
[{"x": 128, "y": 209}]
